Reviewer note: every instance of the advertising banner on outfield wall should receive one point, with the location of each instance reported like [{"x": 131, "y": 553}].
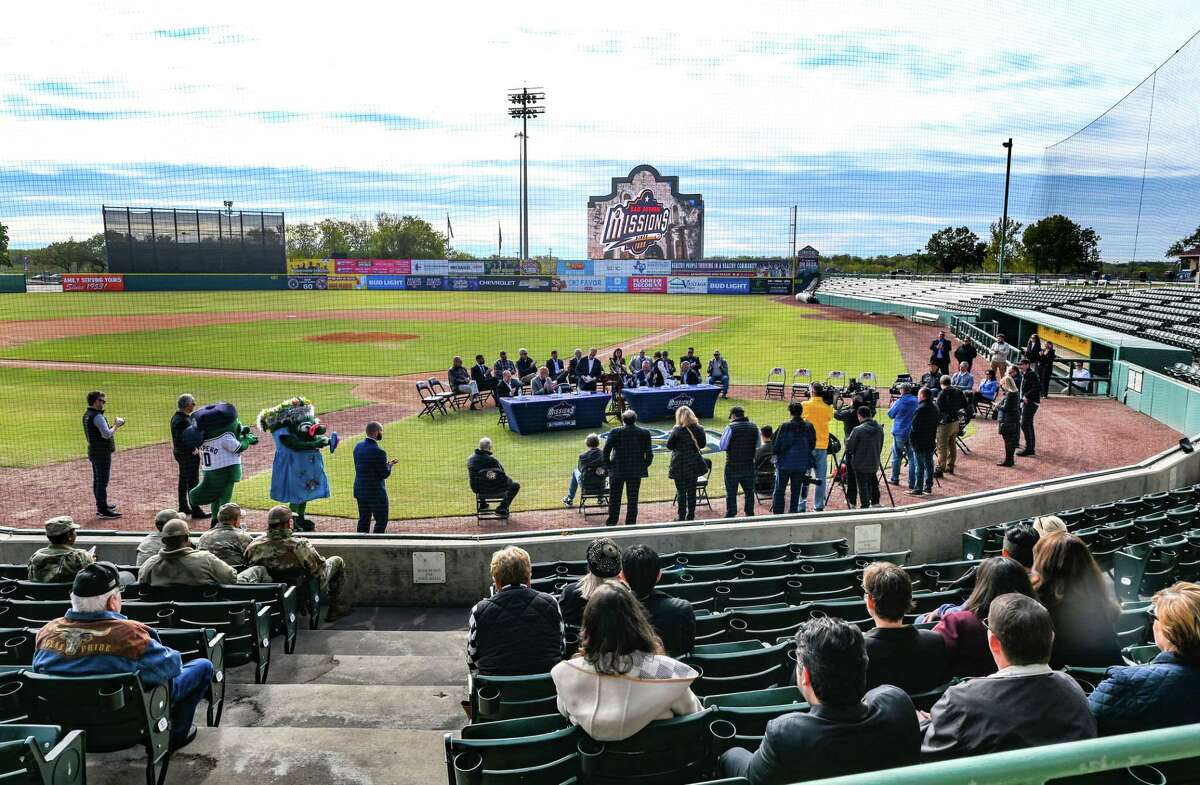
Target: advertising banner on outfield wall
[
  {"x": 372, "y": 266},
  {"x": 615, "y": 283},
  {"x": 465, "y": 268},
  {"x": 770, "y": 286},
  {"x": 579, "y": 267},
  {"x": 687, "y": 284},
  {"x": 430, "y": 266},
  {"x": 729, "y": 286},
  {"x": 513, "y": 283},
  {"x": 79, "y": 282},
  {"x": 462, "y": 284},
  {"x": 578, "y": 283},
  {"x": 394, "y": 282},
  {"x": 344, "y": 281},
  {"x": 310, "y": 267},
  {"x": 429, "y": 283},
  {"x": 307, "y": 282},
  {"x": 631, "y": 267},
  {"x": 646, "y": 284}
]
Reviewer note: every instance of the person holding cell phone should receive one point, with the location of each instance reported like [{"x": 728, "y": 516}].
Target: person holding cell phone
[{"x": 101, "y": 444}]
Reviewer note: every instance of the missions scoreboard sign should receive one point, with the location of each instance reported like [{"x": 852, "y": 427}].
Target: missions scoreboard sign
[{"x": 645, "y": 217}]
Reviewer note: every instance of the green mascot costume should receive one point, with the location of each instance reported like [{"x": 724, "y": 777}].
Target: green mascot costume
[
  {"x": 298, "y": 471},
  {"x": 221, "y": 439}
]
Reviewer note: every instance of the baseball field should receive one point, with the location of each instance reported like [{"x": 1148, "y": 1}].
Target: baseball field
[{"x": 357, "y": 354}]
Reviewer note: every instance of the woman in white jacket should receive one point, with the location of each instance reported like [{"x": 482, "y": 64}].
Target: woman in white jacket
[{"x": 621, "y": 680}]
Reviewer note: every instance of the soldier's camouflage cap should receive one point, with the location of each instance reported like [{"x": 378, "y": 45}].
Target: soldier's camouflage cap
[{"x": 60, "y": 525}]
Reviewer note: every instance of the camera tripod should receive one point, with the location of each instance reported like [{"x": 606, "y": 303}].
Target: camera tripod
[{"x": 839, "y": 478}]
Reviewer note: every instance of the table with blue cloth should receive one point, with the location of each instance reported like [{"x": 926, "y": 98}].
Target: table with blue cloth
[
  {"x": 538, "y": 413},
  {"x": 660, "y": 403}
]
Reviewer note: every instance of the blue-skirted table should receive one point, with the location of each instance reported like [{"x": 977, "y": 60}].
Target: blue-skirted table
[
  {"x": 658, "y": 403},
  {"x": 537, "y": 413}
]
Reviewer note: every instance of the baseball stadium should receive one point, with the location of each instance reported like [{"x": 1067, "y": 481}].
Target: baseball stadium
[{"x": 834, "y": 420}]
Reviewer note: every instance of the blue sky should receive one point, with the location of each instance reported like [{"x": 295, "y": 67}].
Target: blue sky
[{"x": 881, "y": 120}]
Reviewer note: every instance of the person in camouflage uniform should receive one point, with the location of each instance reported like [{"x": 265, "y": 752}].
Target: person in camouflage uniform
[
  {"x": 227, "y": 540},
  {"x": 59, "y": 561},
  {"x": 151, "y": 544},
  {"x": 279, "y": 553},
  {"x": 179, "y": 564}
]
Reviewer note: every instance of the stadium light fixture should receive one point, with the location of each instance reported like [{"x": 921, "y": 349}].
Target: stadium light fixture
[{"x": 523, "y": 105}]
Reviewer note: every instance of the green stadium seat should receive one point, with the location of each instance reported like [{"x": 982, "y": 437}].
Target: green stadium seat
[
  {"x": 726, "y": 781},
  {"x": 16, "y": 572},
  {"x": 750, "y": 722},
  {"x": 1101, "y": 513},
  {"x": 1141, "y": 570},
  {"x": 280, "y": 598},
  {"x": 753, "y": 591},
  {"x": 1141, "y": 654},
  {"x": 820, "y": 549},
  {"x": 700, "y": 594},
  {"x": 1181, "y": 519},
  {"x": 940, "y": 575},
  {"x": 1131, "y": 507},
  {"x": 1074, "y": 518},
  {"x": 560, "y": 569},
  {"x": 208, "y": 645},
  {"x": 819, "y": 586},
  {"x": 41, "y": 755},
  {"x": 32, "y": 590},
  {"x": 1157, "y": 502},
  {"x": 1180, "y": 497},
  {"x": 710, "y": 558},
  {"x": 731, "y": 647},
  {"x": 552, "y": 585},
  {"x": 737, "y": 671},
  {"x": 246, "y": 626},
  {"x": 17, "y": 646},
  {"x": 773, "y": 696},
  {"x": 508, "y": 697},
  {"x": 711, "y": 627},
  {"x": 1147, "y": 528},
  {"x": 764, "y": 553},
  {"x": 1133, "y": 626},
  {"x": 534, "y": 750},
  {"x": 666, "y": 752},
  {"x": 768, "y": 624},
  {"x": 717, "y": 572}
]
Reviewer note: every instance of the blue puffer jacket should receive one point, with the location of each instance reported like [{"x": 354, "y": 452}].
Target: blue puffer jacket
[{"x": 1160, "y": 694}]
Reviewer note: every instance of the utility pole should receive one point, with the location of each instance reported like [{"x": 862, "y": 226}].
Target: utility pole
[
  {"x": 795, "y": 209},
  {"x": 1004, "y": 221},
  {"x": 523, "y": 105}
]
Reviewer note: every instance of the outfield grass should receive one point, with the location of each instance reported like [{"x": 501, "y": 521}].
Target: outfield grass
[{"x": 40, "y": 418}]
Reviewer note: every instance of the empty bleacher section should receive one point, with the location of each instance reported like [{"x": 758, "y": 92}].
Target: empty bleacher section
[{"x": 935, "y": 294}]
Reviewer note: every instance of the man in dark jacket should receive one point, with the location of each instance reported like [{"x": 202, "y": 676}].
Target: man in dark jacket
[
  {"x": 939, "y": 353},
  {"x": 897, "y": 653},
  {"x": 185, "y": 457},
  {"x": 793, "y": 447},
  {"x": 966, "y": 353},
  {"x": 923, "y": 438},
  {"x": 1031, "y": 400},
  {"x": 932, "y": 379},
  {"x": 557, "y": 368},
  {"x": 950, "y": 403},
  {"x": 589, "y": 459},
  {"x": 628, "y": 455},
  {"x": 1024, "y": 704},
  {"x": 481, "y": 374},
  {"x": 518, "y": 630},
  {"x": 862, "y": 458},
  {"x": 371, "y": 468},
  {"x": 672, "y": 618},
  {"x": 848, "y": 729},
  {"x": 488, "y": 476},
  {"x": 739, "y": 442}
]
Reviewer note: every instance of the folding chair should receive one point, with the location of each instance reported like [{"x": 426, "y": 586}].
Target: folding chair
[
  {"x": 701, "y": 487},
  {"x": 432, "y": 403},
  {"x": 593, "y": 484},
  {"x": 764, "y": 479},
  {"x": 456, "y": 399},
  {"x": 866, "y": 380},
  {"x": 801, "y": 383},
  {"x": 490, "y": 486},
  {"x": 894, "y": 390},
  {"x": 775, "y": 386},
  {"x": 836, "y": 381}
]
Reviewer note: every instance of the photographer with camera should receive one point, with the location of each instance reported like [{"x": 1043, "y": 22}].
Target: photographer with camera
[
  {"x": 818, "y": 412},
  {"x": 862, "y": 459}
]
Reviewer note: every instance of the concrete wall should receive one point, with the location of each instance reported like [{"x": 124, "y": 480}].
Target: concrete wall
[
  {"x": 1170, "y": 401},
  {"x": 381, "y": 568}
]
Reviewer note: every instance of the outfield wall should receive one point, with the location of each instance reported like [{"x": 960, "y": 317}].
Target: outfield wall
[
  {"x": 12, "y": 284},
  {"x": 1170, "y": 401}
]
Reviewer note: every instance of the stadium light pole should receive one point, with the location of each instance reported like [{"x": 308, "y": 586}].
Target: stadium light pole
[
  {"x": 523, "y": 105},
  {"x": 1004, "y": 220}
]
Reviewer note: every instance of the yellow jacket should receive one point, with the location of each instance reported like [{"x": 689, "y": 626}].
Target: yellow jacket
[{"x": 818, "y": 414}]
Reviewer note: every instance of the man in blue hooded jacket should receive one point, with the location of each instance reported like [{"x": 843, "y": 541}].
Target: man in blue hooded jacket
[
  {"x": 793, "y": 448},
  {"x": 901, "y": 412}
]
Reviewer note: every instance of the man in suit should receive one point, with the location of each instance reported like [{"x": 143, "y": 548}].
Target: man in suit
[
  {"x": 575, "y": 366},
  {"x": 543, "y": 384},
  {"x": 939, "y": 353},
  {"x": 509, "y": 386},
  {"x": 1031, "y": 401},
  {"x": 847, "y": 730},
  {"x": 186, "y": 457},
  {"x": 646, "y": 376},
  {"x": 526, "y": 366},
  {"x": 557, "y": 368},
  {"x": 371, "y": 468},
  {"x": 482, "y": 375},
  {"x": 481, "y": 461},
  {"x": 588, "y": 371},
  {"x": 628, "y": 455}
]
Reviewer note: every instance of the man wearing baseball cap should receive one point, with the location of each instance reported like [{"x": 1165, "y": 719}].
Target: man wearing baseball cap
[
  {"x": 179, "y": 564},
  {"x": 279, "y": 555},
  {"x": 227, "y": 540},
  {"x": 60, "y": 560},
  {"x": 151, "y": 544},
  {"x": 94, "y": 639}
]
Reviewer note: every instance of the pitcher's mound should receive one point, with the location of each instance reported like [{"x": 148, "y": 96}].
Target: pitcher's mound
[{"x": 362, "y": 337}]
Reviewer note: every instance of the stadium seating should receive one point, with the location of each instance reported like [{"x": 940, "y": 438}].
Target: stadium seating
[{"x": 41, "y": 755}]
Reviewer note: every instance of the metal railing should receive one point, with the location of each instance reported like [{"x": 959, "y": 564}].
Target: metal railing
[{"x": 1098, "y": 380}]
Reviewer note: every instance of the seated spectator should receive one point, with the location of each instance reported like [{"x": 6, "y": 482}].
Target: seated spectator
[
  {"x": 1019, "y": 542},
  {"x": 590, "y": 458},
  {"x": 963, "y": 629},
  {"x": 518, "y": 630},
  {"x": 647, "y": 376},
  {"x": 963, "y": 379},
  {"x": 59, "y": 561},
  {"x": 990, "y": 386},
  {"x": 460, "y": 380},
  {"x": 672, "y": 618},
  {"x": 94, "y": 639},
  {"x": 151, "y": 544},
  {"x": 509, "y": 386},
  {"x": 603, "y": 564},
  {"x": 526, "y": 366},
  {"x": 932, "y": 378},
  {"x": 764, "y": 451},
  {"x": 279, "y": 556},
  {"x": 897, "y": 653},
  {"x": 688, "y": 373},
  {"x": 482, "y": 461},
  {"x": 503, "y": 364},
  {"x": 621, "y": 680},
  {"x": 1048, "y": 524},
  {"x": 482, "y": 375},
  {"x": 1162, "y": 693},
  {"x": 543, "y": 384},
  {"x": 1023, "y": 704},
  {"x": 179, "y": 564},
  {"x": 557, "y": 368},
  {"x": 1081, "y": 378},
  {"x": 227, "y": 540},
  {"x": 1080, "y": 600},
  {"x": 718, "y": 373},
  {"x": 848, "y": 730}
]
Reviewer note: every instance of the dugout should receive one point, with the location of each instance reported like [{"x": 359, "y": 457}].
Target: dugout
[{"x": 156, "y": 240}]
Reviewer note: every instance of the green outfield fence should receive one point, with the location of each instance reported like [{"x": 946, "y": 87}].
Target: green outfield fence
[
  {"x": 1171, "y": 402},
  {"x": 12, "y": 284}
]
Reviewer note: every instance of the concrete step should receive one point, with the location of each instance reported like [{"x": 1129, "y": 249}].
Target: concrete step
[
  {"x": 412, "y": 643},
  {"x": 430, "y": 707},
  {"x": 353, "y": 669},
  {"x": 289, "y": 756}
]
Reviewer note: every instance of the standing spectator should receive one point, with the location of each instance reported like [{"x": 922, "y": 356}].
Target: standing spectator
[
  {"x": 131, "y": 647},
  {"x": 793, "y": 450},
  {"x": 518, "y": 630},
  {"x": 59, "y": 561},
  {"x": 739, "y": 442},
  {"x": 668, "y": 364},
  {"x": 371, "y": 470},
  {"x": 847, "y": 730},
  {"x": 101, "y": 444},
  {"x": 482, "y": 375},
  {"x": 558, "y": 368},
  {"x": 1080, "y": 600},
  {"x": 818, "y": 411},
  {"x": 179, "y": 564},
  {"x": 151, "y": 544},
  {"x": 1162, "y": 693},
  {"x": 939, "y": 353},
  {"x": 1010, "y": 420},
  {"x": 998, "y": 353},
  {"x": 951, "y": 404},
  {"x": 460, "y": 380},
  {"x": 897, "y": 653},
  {"x": 186, "y": 457},
  {"x": 901, "y": 412},
  {"x": 1031, "y": 400},
  {"x": 1081, "y": 378},
  {"x": 526, "y": 366},
  {"x": 691, "y": 358},
  {"x": 718, "y": 373},
  {"x": 621, "y": 680},
  {"x": 228, "y": 540},
  {"x": 617, "y": 366},
  {"x": 963, "y": 629},
  {"x": 603, "y": 564},
  {"x": 923, "y": 438},
  {"x": 278, "y": 556},
  {"x": 1024, "y": 704},
  {"x": 862, "y": 458},
  {"x": 672, "y": 618},
  {"x": 966, "y": 353},
  {"x": 628, "y": 455},
  {"x": 1045, "y": 367},
  {"x": 1033, "y": 350},
  {"x": 482, "y": 460},
  {"x": 503, "y": 364},
  {"x": 590, "y": 458},
  {"x": 588, "y": 371},
  {"x": 543, "y": 383},
  {"x": 685, "y": 442}
]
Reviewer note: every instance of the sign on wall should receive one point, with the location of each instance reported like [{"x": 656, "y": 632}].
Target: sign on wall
[
  {"x": 92, "y": 282},
  {"x": 1081, "y": 346},
  {"x": 645, "y": 216}
]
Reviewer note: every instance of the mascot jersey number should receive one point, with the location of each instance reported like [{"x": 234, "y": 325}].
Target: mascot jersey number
[
  {"x": 298, "y": 472},
  {"x": 221, "y": 439}
]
